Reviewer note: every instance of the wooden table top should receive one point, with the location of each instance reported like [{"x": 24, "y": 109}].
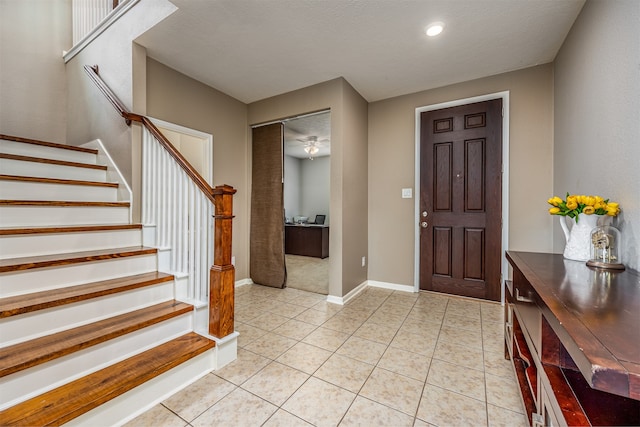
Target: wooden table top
[{"x": 598, "y": 316}]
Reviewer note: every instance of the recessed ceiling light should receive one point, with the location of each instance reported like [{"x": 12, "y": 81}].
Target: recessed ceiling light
[{"x": 434, "y": 29}]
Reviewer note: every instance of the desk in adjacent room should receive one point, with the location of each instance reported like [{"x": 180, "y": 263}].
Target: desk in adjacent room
[{"x": 307, "y": 240}]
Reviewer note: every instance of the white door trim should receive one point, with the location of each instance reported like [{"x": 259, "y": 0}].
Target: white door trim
[
  {"x": 196, "y": 133},
  {"x": 505, "y": 180}
]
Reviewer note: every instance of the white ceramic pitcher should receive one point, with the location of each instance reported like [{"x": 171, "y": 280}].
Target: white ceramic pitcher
[{"x": 578, "y": 239}]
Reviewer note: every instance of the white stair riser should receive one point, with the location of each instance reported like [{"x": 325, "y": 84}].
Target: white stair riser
[
  {"x": 41, "y": 279},
  {"x": 31, "y": 382},
  {"x": 33, "y": 150},
  {"x": 22, "y": 245},
  {"x": 39, "y": 323},
  {"x": 129, "y": 405},
  {"x": 47, "y": 170},
  {"x": 26, "y": 216},
  {"x": 21, "y": 190}
]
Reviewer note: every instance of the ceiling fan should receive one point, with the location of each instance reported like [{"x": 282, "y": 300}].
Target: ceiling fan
[{"x": 312, "y": 144}]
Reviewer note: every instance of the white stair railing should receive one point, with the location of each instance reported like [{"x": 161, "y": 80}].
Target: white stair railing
[
  {"x": 182, "y": 215},
  {"x": 87, "y": 14}
]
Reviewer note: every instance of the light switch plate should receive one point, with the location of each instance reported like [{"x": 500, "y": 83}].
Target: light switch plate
[{"x": 407, "y": 193}]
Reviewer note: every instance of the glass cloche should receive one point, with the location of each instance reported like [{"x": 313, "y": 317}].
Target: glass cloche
[{"x": 605, "y": 248}]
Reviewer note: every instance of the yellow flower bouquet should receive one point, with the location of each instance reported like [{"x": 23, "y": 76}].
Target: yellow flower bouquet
[{"x": 577, "y": 204}]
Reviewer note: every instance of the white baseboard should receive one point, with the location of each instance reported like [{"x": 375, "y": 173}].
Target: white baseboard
[
  {"x": 243, "y": 282},
  {"x": 345, "y": 299},
  {"x": 392, "y": 286}
]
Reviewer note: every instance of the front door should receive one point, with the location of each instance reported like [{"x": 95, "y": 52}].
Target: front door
[{"x": 461, "y": 200}]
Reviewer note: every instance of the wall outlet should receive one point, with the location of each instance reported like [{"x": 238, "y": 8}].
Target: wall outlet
[
  {"x": 233, "y": 261},
  {"x": 364, "y": 261},
  {"x": 407, "y": 193}
]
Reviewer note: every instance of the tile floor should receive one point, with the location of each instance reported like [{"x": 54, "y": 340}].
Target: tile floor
[{"x": 386, "y": 358}]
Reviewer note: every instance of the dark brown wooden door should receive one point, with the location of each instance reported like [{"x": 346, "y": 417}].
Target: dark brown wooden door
[{"x": 461, "y": 196}]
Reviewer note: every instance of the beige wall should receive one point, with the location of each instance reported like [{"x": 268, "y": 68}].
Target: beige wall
[
  {"x": 176, "y": 98},
  {"x": 392, "y": 221},
  {"x": 90, "y": 114},
  {"x": 597, "y": 114},
  {"x": 33, "y": 88},
  {"x": 348, "y": 165}
]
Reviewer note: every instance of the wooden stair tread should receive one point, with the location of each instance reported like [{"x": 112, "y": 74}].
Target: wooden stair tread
[
  {"x": 31, "y": 353},
  {"x": 80, "y": 396},
  {"x": 51, "y": 161},
  {"x": 60, "y": 203},
  {"x": 27, "y": 263},
  {"x": 57, "y": 181},
  {"x": 48, "y": 144},
  {"x": 9, "y": 231},
  {"x": 27, "y": 303}
]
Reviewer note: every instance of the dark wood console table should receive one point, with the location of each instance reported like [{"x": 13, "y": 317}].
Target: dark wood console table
[
  {"x": 307, "y": 240},
  {"x": 573, "y": 335}
]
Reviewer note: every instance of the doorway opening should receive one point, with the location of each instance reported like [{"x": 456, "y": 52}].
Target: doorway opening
[
  {"x": 444, "y": 234},
  {"x": 307, "y": 194}
]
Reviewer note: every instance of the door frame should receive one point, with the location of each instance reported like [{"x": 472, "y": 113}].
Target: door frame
[{"x": 505, "y": 180}]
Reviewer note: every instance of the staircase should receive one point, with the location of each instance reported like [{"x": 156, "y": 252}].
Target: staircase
[{"x": 90, "y": 332}]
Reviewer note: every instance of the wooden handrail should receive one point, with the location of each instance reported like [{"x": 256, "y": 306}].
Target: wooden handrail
[
  {"x": 128, "y": 116},
  {"x": 222, "y": 273}
]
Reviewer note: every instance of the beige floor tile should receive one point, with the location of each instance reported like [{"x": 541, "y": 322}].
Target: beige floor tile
[
  {"x": 462, "y": 322},
  {"x": 374, "y": 332},
  {"x": 493, "y": 340},
  {"x": 271, "y": 345},
  {"x": 401, "y": 297},
  {"x": 199, "y": 396},
  {"x": 464, "y": 307},
  {"x": 445, "y": 408},
  {"x": 344, "y": 324},
  {"x": 268, "y": 321},
  {"x": 158, "y": 416},
  {"x": 500, "y": 417},
  {"x": 412, "y": 365},
  {"x": 238, "y": 408},
  {"x": 414, "y": 343},
  {"x": 393, "y": 390},
  {"x": 275, "y": 383},
  {"x": 295, "y": 329},
  {"x": 504, "y": 393},
  {"x": 319, "y": 403},
  {"x": 496, "y": 364},
  {"x": 327, "y": 307},
  {"x": 457, "y": 379},
  {"x": 356, "y": 313},
  {"x": 344, "y": 372},
  {"x": 421, "y": 314},
  {"x": 425, "y": 329},
  {"x": 468, "y": 357},
  {"x": 461, "y": 337},
  {"x": 244, "y": 367},
  {"x": 308, "y": 299},
  {"x": 419, "y": 423},
  {"x": 248, "y": 333},
  {"x": 288, "y": 310},
  {"x": 283, "y": 418},
  {"x": 393, "y": 320},
  {"x": 314, "y": 317},
  {"x": 326, "y": 338},
  {"x": 494, "y": 328},
  {"x": 363, "y": 350},
  {"x": 395, "y": 309},
  {"x": 492, "y": 312},
  {"x": 304, "y": 357},
  {"x": 364, "y": 412}
]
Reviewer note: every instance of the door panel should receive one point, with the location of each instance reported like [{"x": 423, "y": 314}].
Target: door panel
[{"x": 461, "y": 192}]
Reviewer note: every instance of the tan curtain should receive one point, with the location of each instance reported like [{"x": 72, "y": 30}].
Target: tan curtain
[{"x": 267, "y": 265}]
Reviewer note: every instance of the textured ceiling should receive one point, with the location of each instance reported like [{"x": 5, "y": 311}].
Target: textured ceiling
[{"x": 254, "y": 49}]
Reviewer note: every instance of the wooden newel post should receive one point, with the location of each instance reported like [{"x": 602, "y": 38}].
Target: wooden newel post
[{"x": 222, "y": 274}]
